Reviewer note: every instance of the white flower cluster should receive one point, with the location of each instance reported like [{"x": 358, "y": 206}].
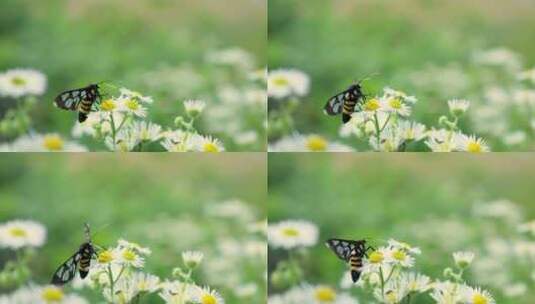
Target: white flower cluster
[
  {"x": 19, "y": 234},
  {"x": 314, "y": 294},
  {"x": 291, "y": 234},
  {"x": 384, "y": 122},
  {"x": 121, "y": 123},
  {"x": 41, "y": 295},
  {"x": 285, "y": 83},
  {"x": 22, "y": 82}
]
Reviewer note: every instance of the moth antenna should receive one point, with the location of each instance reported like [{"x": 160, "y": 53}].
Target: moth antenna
[
  {"x": 99, "y": 230},
  {"x": 368, "y": 76},
  {"x": 87, "y": 232}
]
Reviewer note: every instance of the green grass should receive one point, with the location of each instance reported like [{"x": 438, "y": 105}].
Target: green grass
[{"x": 410, "y": 198}]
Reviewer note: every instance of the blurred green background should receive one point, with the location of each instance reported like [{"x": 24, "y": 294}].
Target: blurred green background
[
  {"x": 160, "y": 202},
  {"x": 340, "y": 41},
  {"x": 156, "y": 47},
  {"x": 435, "y": 202}
]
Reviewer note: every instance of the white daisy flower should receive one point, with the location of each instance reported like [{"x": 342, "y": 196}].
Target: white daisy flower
[
  {"x": 471, "y": 143},
  {"x": 399, "y": 256},
  {"x": 458, "y": 106},
  {"x": 463, "y": 258},
  {"x": 206, "y": 295},
  {"x": 446, "y": 292},
  {"x": 132, "y": 106},
  {"x": 192, "y": 259},
  {"x": 129, "y": 257},
  {"x": 372, "y": 105},
  {"x": 194, "y": 107},
  {"x": 411, "y": 130},
  {"x": 292, "y": 234},
  {"x": 128, "y": 94},
  {"x": 125, "y": 141},
  {"x": 207, "y": 144},
  {"x": 403, "y": 246},
  {"x": 134, "y": 246},
  {"x": 22, "y": 233},
  {"x": 106, "y": 257},
  {"x": 284, "y": 83},
  {"x": 390, "y": 141},
  {"x": 416, "y": 282},
  {"x": 90, "y": 125},
  {"x": 389, "y": 92},
  {"x": 477, "y": 296},
  {"x": 307, "y": 143},
  {"x": 146, "y": 131},
  {"x": 395, "y": 105},
  {"x": 175, "y": 292},
  {"x": 441, "y": 140},
  {"x": 41, "y": 294},
  {"x": 51, "y": 142},
  {"x": 145, "y": 282},
  {"x": 110, "y": 105},
  {"x": 178, "y": 141},
  {"x": 20, "y": 82}
]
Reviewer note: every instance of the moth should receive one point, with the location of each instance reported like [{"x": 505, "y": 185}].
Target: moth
[
  {"x": 81, "y": 100},
  {"x": 80, "y": 260},
  {"x": 351, "y": 252},
  {"x": 345, "y": 102}
]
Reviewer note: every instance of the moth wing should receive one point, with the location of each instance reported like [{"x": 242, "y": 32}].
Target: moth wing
[
  {"x": 342, "y": 248},
  {"x": 335, "y": 104},
  {"x": 69, "y": 100},
  {"x": 67, "y": 270}
]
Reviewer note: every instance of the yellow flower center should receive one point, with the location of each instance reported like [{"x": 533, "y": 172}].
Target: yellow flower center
[
  {"x": 129, "y": 255},
  {"x": 52, "y": 294},
  {"x": 18, "y": 81},
  {"x": 391, "y": 297},
  {"x": 132, "y": 104},
  {"x": 325, "y": 294},
  {"x": 290, "y": 232},
  {"x": 395, "y": 103},
  {"x": 281, "y": 81},
  {"x": 479, "y": 299},
  {"x": 376, "y": 257},
  {"x": 399, "y": 255},
  {"x": 208, "y": 299},
  {"x": 53, "y": 142},
  {"x": 105, "y": 257},
  {"x": 316, "y": 143},
  {"x": 17, "y": 232},
  {"x": 210, "y": 147},
  {"x": 474, "y": 147},
  {"x": 372, "y": 105},
  {"x": 108, "y": 105}
]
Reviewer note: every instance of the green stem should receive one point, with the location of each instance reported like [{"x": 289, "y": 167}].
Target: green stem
[
  {"x": 120, "y": 274},
  {"x": 386, "y": 122},
  {"x": 112, "y": 283},
  {"x": 382, "y": 282},
  {"x": 377, "y": 129},
  {"x": 113, "y": 131}
]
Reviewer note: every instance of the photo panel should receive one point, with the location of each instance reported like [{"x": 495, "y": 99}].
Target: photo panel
[
  {"x": 408, "y": 75},
  {"x": 133, "y": 75},
  {"x": 138, "y": 229},
  {"x": 362, "y": 228}
]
